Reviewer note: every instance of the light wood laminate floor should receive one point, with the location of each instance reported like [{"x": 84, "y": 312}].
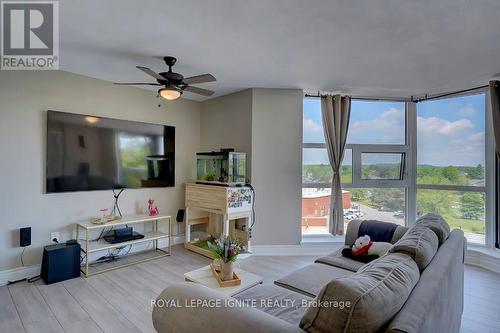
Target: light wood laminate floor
[{"x": 119, "y": 301}]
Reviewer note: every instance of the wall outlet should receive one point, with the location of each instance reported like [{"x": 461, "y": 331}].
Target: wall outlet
[{"x": 54, "y": 237}]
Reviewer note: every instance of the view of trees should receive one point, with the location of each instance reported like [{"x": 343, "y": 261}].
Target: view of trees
[
  {"x": 133, "y": 152},
  {"x": 463, "y": 210},
  {"x": 450, "y": 175},
  {"x": 381, "y": 171}
]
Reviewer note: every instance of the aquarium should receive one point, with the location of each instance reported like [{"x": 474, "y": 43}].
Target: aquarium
[{"x": 226, "y": 168}]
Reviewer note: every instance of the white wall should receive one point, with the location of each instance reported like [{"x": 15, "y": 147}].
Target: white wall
[
  {"x": 24, "y": 98},
  {"x": 226, "y": 122},
  {"x": 277, "y": 165}
]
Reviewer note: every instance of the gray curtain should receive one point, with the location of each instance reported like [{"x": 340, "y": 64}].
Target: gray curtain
[
  {"x": 495, "y": 110},
  {"x": 335, "y": 111}
]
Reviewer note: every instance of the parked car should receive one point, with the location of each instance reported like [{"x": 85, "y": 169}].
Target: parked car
[
  {"x": 349, "y": 215},
  {"x": 399, "y": 214}
]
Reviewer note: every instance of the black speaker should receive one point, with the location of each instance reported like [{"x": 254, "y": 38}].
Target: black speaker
[
  {"x": 25, "y": 236},
  {"x": 60, "y": 262},
  {"x": 180, "y": 215}
]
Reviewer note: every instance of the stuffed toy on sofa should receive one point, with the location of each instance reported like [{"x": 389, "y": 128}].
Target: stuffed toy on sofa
[
  {"x": 364, "y": 245},
  {"x": 365, "y": 250}
]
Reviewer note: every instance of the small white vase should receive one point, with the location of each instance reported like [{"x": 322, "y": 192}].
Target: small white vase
[{"x": 227, "y": 271}]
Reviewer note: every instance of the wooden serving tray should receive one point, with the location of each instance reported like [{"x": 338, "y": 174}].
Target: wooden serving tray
[
  {"x": 235, "y": 281},
  {"x": 97, "y": 220}
]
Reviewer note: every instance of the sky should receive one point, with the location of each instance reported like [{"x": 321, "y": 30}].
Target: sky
[{"x": 449, "y": 131}]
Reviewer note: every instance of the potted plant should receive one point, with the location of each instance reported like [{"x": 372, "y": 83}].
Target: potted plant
[{"x": 226, "y": 250}]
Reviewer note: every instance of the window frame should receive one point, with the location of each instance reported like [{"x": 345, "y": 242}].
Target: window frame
[
  {"x": 359, "y": 149},
  {"x": 492, "y": 169},
  {"x": 488, "y": 188}
]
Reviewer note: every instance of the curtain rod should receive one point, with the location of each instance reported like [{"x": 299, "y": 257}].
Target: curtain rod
[
  {"x": 458, "y": 92},
  {"x": 363, "y": 98},
  {"x": 411, "y": 99}
]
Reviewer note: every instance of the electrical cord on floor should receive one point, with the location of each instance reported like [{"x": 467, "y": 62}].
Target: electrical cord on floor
[{"x": 33, "y": 279}]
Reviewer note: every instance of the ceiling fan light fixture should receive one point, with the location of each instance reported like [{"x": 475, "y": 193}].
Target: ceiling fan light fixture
[
  {"x": 170, "y": 93},
  {"x": 174, "y": 83},
  {"x": 91, "y": 120}
]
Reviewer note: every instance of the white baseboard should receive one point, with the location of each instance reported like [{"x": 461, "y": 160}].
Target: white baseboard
[
  {"x": 304, "y": 249},
  {"x": 27, "y": 272},
  {"x": 19, "y": 273},
  {"x": 484, "y": 258},
  {"x": 179, "y": 239}
]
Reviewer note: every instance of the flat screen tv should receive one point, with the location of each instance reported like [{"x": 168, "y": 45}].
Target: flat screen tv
[{"x": 87, "y": 153}]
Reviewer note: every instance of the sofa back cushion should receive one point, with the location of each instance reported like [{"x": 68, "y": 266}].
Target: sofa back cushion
[
  {"x": 369, "y": 298},
  {"x": 353, "y": 231},
  {"x": 420, "y": 243},
  {"x": 437, "y": 224},
  {"x": 436, "y": 302}
]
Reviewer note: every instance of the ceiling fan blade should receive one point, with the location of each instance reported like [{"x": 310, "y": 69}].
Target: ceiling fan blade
[
  {"x": 150, "y": 72},
  {"x": 199, "y": 79},
  {"x": 136, "y": 84},
  {"x": 199, "y": 91}
]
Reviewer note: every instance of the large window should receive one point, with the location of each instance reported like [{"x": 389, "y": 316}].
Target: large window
[
  {"x": 451, "y": 162},
  {"x": 375, "y": 122},
  {"x": 373, "y": 169},
  {"x": 403, "y": 160}
]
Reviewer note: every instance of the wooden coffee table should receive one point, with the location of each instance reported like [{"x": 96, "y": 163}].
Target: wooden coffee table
[{"x": 204, "y": 276}]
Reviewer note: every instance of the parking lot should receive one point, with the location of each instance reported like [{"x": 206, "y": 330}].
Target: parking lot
[{"x": 368, "y": 213}]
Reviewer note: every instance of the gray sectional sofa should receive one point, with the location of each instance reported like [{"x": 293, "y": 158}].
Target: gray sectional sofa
[{"x": 416, "y": 287}]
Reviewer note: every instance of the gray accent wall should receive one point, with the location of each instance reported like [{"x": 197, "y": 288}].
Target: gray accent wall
[
  {"x": 277, "y": 165},
  {"x": 226, "y": 122},
  {"x": 267, "y": 125}
]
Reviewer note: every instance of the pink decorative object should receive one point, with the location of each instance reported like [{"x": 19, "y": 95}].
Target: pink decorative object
[{"x": 153, "y": 210}]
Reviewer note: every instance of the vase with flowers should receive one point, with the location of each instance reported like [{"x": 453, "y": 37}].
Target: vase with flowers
[{"x": 226, "y": 250}]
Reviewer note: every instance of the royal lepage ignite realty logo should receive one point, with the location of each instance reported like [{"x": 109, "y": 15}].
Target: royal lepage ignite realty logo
[{"x": 30, "y": 35}]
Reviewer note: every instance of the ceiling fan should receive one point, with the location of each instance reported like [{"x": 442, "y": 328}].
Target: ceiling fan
[{"x": 174, "y": 83}]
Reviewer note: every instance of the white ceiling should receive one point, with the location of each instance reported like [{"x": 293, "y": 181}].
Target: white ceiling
[{"x": 370, "y": 48}]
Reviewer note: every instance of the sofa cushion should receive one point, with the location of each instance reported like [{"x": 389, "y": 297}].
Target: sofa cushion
[
  {"x": 398, "y": 233},
  {"x": 337, "y": 259},
  {"x": 353, "y": 231},
  {"x": 310, "y": 279},
  {"x": 420, "y": 243},
  {"x": 437, "y": 224},
  {"x": 192, "y": 307},
  {"x": 436, "y": 302},
  {"x": 371, "y": 297},
  {"x": 279, "y": 302}
]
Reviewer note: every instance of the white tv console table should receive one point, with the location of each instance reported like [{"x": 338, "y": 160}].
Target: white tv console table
[{"x": 89, "y": 245}]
